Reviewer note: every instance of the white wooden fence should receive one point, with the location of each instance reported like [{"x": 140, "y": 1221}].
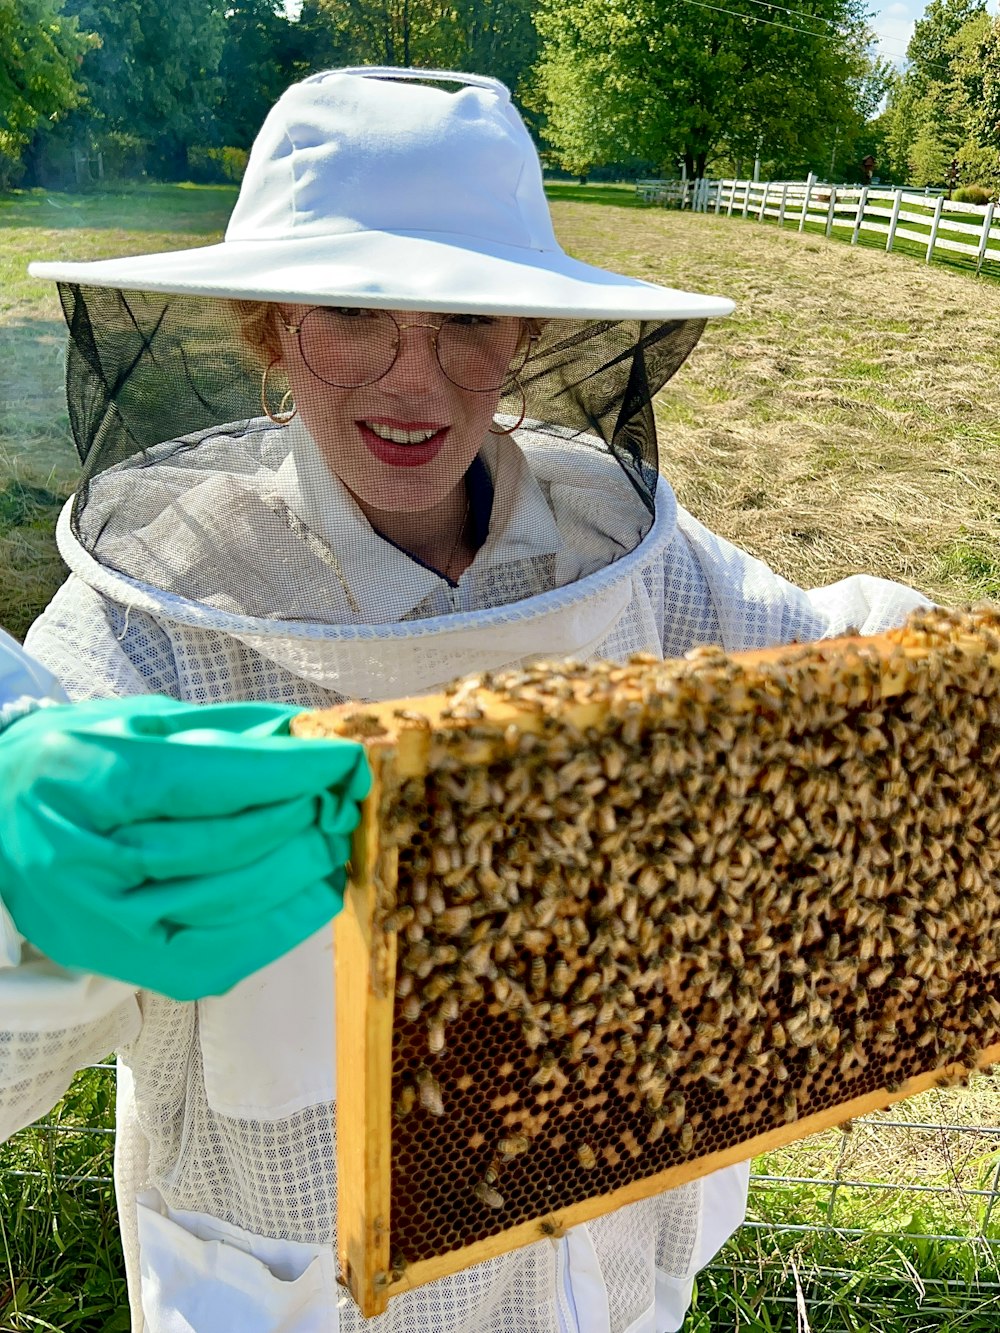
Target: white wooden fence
[{"x": 933, "y": 223}]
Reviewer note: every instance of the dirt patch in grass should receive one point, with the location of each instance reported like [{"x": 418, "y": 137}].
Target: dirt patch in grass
[{"x": 845, "y": 419}]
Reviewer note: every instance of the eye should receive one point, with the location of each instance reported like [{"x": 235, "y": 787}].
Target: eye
[{"x": 472, "y": 321}]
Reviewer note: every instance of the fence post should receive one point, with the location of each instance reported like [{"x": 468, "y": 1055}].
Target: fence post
[
  {"x": 810, "y": 182},
  {"x": 746, "y": 197},
  {"x": 934, "y": 228},
  {"x": 718, "y": 197},
  {"x": 859, "y": 215},
  {"x": 831, "y": 209},
  {"x": 763, "y": 203},
  {"x": 896, "y": 205},
  {"x": 732, "y": 198},
  {"x": 781, "y": 206},
  {"x": 984, "y": 240}
]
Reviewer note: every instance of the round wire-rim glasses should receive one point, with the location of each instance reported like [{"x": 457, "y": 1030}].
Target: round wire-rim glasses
[{"x": 349, "y": 347}]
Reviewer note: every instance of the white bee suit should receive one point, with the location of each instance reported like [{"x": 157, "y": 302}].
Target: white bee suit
[{"x": 225, "y": 1160}]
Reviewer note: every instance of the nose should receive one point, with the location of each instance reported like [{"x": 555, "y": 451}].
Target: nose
[{"x": 416, "y": 364}]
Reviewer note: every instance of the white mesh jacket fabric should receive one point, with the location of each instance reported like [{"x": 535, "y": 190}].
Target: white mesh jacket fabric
[{"x": 221, "y": 1123}]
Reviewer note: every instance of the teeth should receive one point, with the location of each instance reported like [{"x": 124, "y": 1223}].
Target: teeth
[{"x": 400, "y": 436}]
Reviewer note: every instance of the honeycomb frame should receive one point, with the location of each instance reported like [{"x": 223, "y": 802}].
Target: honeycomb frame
[{"x": 742, "y": 898}]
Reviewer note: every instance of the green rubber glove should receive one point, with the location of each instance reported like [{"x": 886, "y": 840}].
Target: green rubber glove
[{"x": 173, "y": 846}]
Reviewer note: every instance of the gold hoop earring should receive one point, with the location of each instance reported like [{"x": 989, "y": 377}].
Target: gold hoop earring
[
  {"x": 278, "y": 419},
  {"x": 509, "y": 430}
]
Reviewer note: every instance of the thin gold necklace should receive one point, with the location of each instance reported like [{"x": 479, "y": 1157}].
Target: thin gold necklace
[{"x": 458, "y": 538}]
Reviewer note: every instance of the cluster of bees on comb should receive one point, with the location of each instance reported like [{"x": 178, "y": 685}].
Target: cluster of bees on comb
[{"x": 646, "y": 912}]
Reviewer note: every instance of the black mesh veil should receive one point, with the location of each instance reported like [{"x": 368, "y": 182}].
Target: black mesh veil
[
  {"x": 144, "y": 368},
  {"x": 155, "y": 382}
]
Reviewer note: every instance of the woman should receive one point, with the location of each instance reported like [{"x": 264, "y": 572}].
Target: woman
[{"x": 385, "y": 434}]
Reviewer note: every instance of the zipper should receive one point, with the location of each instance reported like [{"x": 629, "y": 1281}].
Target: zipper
[{"x": 568, "y": 1319}]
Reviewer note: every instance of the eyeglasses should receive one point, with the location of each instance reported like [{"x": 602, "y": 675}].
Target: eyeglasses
[{"x": 348, "y": 347}]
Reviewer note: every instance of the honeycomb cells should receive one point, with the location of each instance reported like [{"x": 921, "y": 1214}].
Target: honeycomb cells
[{"x": 624, "y": 947}]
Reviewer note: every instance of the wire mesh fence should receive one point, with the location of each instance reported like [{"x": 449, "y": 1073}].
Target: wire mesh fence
[{"x": 892, "y": 1224}]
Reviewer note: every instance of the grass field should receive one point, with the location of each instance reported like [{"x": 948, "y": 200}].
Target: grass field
[{"x": 846, "y": 418}]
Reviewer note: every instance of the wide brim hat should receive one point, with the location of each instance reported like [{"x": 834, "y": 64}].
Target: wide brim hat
[{"x": 371, "y": 187}]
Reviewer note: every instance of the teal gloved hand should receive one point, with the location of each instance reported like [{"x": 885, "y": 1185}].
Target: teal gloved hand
[{"x": 173, "y": 846}]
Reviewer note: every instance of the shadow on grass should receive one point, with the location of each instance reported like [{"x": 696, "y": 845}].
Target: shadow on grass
[
  {"x": 141, "y": 206},
  {"x": 618, "y": 195}
]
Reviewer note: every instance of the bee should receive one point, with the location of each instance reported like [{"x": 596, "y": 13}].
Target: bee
[
  {"x": 538, "y": 975},
  {"x": 512, "y": 1145},
  {"x": 406, "y": 1101},
  {"x": 578, "y": 1045},
  {"x": 429, "y": 1092},
  {"x": 561, "y": 978},
  {"x": 586, "y": 1157},
  {"x": 487, "y": 1195},
  {"x": 586, "y": 988},
  {"x": 547, "y": 1066},
  {"x": 398, "y": 919},
  {"x": 675, "y": 1110},
  {"x": 435, "y": 1035},
  {"x": 453, "y": 920}
]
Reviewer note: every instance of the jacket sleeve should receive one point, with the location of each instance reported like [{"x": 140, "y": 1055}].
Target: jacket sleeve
[
  {"x": 52, "y": 1022},
  {"x": 99, "y": 649},
  {"x": 745, "y": 605}
]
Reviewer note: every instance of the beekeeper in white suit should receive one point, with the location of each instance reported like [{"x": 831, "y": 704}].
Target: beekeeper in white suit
[{"x": 386, "y": 433}]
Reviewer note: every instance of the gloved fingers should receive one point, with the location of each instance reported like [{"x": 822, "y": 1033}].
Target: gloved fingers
[
  {"x": 174, "y": 849},
  {"x": 206, "y": 901},
  {"x": 193, "y": 963},
  {"x": 156, "y": 715},
  {"x": 104, "y": 781},
  {"x": 196, "y": 963}
]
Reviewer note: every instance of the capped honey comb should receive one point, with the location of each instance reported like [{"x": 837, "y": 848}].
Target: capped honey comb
[{"x": 610, "y": 927}]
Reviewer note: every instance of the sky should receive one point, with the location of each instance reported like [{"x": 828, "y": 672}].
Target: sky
[{"x": 893, "y": 25}]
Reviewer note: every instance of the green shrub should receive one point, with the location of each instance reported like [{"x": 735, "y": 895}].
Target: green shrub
[
  {"x": 972, "y": 194},
  {"x": 214, "y": 166}
]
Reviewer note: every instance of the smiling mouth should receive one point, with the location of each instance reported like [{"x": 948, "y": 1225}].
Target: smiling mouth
[{"x": 397, "y": 435}]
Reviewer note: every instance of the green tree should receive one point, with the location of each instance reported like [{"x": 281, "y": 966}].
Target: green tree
[
  {"x": 495, "y": 37},
  {"x": 666, "y": 81},
  {"x": 938, "y": 110},
  {"x": 934, "y": 116},
  {"x": 155, "y": 76},
  {"x": 988, "y": 117},
  {"x": 929, "y": 53},
  {"x": 40, "y": 49},
  {"x": 261, "y": 50}
]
